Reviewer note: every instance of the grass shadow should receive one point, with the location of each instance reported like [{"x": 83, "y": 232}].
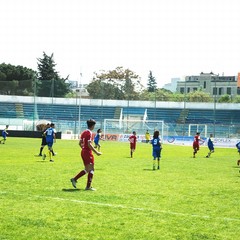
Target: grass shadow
[{"x": 70, "y": 190}]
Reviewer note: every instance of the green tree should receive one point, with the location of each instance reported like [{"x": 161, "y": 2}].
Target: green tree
[
  {"x": 152, "y": 84},
  {"x": 198, "y": 96},
  {"x": 115, "y": 84},
  {"x": 225, "y": 99},
  {"x": 236, "y": 99},
  {"x": 102, "y": 90},
  {"x": 16, "y": 80},
  {"x": 50, "y": 84}
]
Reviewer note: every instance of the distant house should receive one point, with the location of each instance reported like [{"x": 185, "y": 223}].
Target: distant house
[{"x": 210, "y": 83}]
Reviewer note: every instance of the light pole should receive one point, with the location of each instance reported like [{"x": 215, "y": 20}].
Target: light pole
[
  {"x": 214, "y": 107},
  {"x": 35, "y": 106},
  {"x": 79, "y": 106},
  {"x": 184, "y": 106},
  {"x": 75, "y": 127},
  {"x": 155, "y": 103}
]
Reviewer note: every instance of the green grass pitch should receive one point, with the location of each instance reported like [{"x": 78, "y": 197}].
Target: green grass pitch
[{"x": 186, "y": 199}]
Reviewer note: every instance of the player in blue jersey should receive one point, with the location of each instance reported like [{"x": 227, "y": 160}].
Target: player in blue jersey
[
  {"x": 4, "y": 135},
  {"x": 210, "y": 145},
  {"x": 238, "y": 147},
  {"x": 97, "y": 138},
  {"x": 156, "y": 149},
  {"x": 50, "y": 134}
]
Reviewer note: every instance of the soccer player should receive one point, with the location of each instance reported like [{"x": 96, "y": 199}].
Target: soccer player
[
  {"x": 44, "y": 143},
  {"x": 87, "y": 156},
  {"x": 97, "y": 139},
  {"x": 156, "y": 149},
  {"x": 147, "y": 137},
  {"x": 196, "y": 144},
  {"x": 4, "y": 135},
  {"x": 210, "y": 145},
  {"x": 238, "y": 147},
  {"x": 133, "y": 140},
  {"x": 50, "y": 134}
]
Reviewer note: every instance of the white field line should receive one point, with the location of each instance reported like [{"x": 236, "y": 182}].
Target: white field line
[{"x": 124, "y": 207}]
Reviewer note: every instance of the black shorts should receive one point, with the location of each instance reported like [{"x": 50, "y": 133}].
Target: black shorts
[{"x": 44, "y": 141}]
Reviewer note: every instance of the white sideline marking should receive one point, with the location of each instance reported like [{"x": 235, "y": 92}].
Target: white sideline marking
[{"x": 124, "y": 207}]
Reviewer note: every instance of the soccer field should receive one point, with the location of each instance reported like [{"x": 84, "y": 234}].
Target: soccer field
[{"x": 186, "y": 199}]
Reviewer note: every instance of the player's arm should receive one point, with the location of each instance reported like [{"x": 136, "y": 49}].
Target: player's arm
[
  {"x": 92, "y": 148},
  {"x": 54, "y": 137},
  {"x": 81, "y": 143}
]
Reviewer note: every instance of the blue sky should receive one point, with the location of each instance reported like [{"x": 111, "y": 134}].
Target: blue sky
[{"x": 171, "y": 38}]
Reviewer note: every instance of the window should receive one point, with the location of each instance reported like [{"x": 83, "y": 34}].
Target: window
[
  {"x": 204, "y": 84},
  {"x": 194, "y": 89},
  {"x": 214, "y": 91},
  {"x": 182, "y": 90},
  {"x": 220, "y": 91},
  {"x": 229, "y": 90},
  {"x": 188, "y": 89}
]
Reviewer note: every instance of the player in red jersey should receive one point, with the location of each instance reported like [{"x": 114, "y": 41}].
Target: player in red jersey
[
  {"x": 133, "y": 140},
  {"x": 196, "y": 143},
  {"x": 86, "y": 153}
]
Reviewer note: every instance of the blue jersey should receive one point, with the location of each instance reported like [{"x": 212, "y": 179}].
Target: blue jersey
[
  {"x": 50, "y": 135},
  {"x": 238, "y": 146},
  {"x": 210, "y": 144},
  {"x": 97, "y": 137},
  {"x": 4, "y": 133},
  {"x": 157, "y": 147}
]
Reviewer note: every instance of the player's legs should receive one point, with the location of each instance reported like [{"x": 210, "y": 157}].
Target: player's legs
[
  {"x": 50, "y": 150},
  {"x": 158, "y": 163},
  {"x": 154, "y": 163},
  {"x": 90, "y": 169},
  {"x": 195, "y": 150},
  {"x": 155, "y": 156},
  {"x": 159, "y": 157},
  {"x": 4, "y": 138},
  {"x": 96, "y": 144},
  {"x": 211, "y": 150},
  {"x": 41, "y": 149},
  {"x": 88, "y": 160},
  {"x": 99, "y": 146},
  {"x": 132, "y": 149}
]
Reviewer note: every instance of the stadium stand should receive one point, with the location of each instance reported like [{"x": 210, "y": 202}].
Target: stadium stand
[{"x": 223, "y": 121}]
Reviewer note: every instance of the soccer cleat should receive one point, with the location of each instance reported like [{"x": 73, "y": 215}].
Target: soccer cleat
[
  {"x": 51, "y": 160},
  {"x": 74, "y": 182},
  {"x": 44, "y": 156},
  {"x": 90, "y": 189},
  {"x": 158, "y": 167},
  {"x": 238, "y": 162},
  {"x": 153, "y": 167},
  {"x": 40, "y": 155},
  {"x": 207, "y": 156}
]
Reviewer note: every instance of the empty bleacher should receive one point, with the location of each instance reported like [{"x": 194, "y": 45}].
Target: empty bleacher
[
  {"x": 165, "y": 114},
  {"x": 68, "y": 112},
  {"x": 7, "y": 110},
  {"x": 67, "y": 116}
]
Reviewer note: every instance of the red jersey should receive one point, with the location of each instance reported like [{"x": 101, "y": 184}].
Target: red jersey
[
  {"x": 132, "y": 139},
  {"x": 196, "y": 141},
  {"x": 86, "y": 137},
  {"x": 86, "y": 152}
]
